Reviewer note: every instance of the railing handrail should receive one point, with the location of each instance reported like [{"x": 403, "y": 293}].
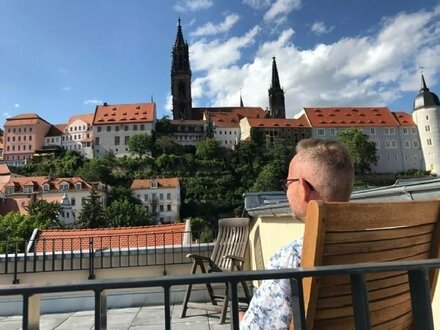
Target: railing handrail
[{"x": 232, "y": 277}]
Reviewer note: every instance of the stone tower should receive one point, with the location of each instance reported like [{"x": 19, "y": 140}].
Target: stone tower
[
  {"x": 181, "y": 78},
  {"x": 276, "y": 95},
  {"x": 426, "y": 115}
]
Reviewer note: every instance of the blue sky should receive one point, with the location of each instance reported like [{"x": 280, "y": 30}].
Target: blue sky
[{"x": 60, "y": 58}]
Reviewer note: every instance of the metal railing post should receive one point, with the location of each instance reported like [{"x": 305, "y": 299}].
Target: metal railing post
[
  {"x": 31, "y": 312},
  {"x": 16, "y": 280},
  {"x": 91, "y": 260},
  {"x": 100, "y": 310}
]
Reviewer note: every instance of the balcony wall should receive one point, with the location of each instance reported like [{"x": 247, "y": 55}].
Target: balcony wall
[{"x": 161, "y": 261}]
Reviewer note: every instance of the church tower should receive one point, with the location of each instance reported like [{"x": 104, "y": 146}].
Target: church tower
[
  {"x": 426, "y": 115},
  {"x": 181, "y": 78},
  {"x": 276, "y": 95}
]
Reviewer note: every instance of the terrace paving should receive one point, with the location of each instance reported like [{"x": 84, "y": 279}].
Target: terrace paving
[{"x": 133, "y": 318}]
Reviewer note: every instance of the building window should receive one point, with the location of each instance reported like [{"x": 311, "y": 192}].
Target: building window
[
  {"x": 161, "y": 208},
  {"x": 126, "y": 139},
  {"x": 406, "y": 144},
  {"x": 393, "y": 144},
  {"x": 117, "y": 140},
  {"x": 98, "y": 129},
  {"x": 427, "y": 128},
  {"x": 28, "y": 189},
  {"x": 168, "y": 196},
  {"x": 414, "y": 131},
  {"x": 109, "y": 128},
  {"x": 168, "y": 207},
  {"x": 73, "y": 201},
  {"x": 161, "y": 196},
  {"x": 387, "y": 144},
  {"x": 377, "y": 144},
  {"x": 153, "y": 185},
  {"x": 97, "y": 141},
  {"x": 64, "y": 186},
  {"x": 332, "y": 131},
  {"x": 135, "y": 127},
  {"x": 46, "y": 187},
  {"x": 145, "y": 197},
  {"x": 416, "y": 144},
  {"x": 372, "y": 131},
  {"x": 405, "y": 130},
  {"x": 142, "y": 127},
  {"x": 117, "y": 128},
  {"x": 427, "y": 117},
  {"x": 78, "y": 186},
  {"x": 125, "y": 127},
  {"x": 429, "y": 142},
  {"x": 321, "y": 131}
]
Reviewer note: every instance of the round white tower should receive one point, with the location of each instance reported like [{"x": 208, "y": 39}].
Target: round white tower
[{"x": 426, "y": 115}]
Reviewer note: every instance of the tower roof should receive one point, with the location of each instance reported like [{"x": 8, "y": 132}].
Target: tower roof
[
  {"x": 425, "y": 98},
  {"x": 179, "y": 37},
  {"x": 275, "y": 77}
]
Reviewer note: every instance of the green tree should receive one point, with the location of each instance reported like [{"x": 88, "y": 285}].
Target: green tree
[
  {"x": 97, "y": 169},
  {"x": 210, "y": 128},
  {"x": 44, "y": 214},
  {"x": 200, "y": 230},
  {"x": 92, "y": 212},
  {"x": 269, "y": 177},
  {"x": 166, "y": 162},
  {"x": 15, "y": 230},
  {"x": 208, "y": 149},
  {"x": 122, "y": 213},
  {"x": 141, "y": 144},
  {"x": 361, "y": 148},
  {"x": 167, "y": 145}
]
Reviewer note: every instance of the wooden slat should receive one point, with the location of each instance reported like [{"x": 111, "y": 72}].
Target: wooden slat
[
  {"x": 378, "y": 256},
  {"x": 351, "y": 216},
  {"x": 328, "y": 290},
  {"x": 377, "y": 234},
  {"x": 373, "y": 295},
  {"x": 382, "y": 245},
  {"x": 375, "y": 306},
  {"x": 402, "y": 322}
]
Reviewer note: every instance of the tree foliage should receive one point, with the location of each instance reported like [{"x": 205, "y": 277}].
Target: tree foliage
[
  {"x": 208, "y": 149},
  {"x": 92, "y": 213},
  {"x": 361, "y": 148},
  {"x": 44, "y": 214},
  {"x": 121, "y": 213},
  {"x": 141, "y": 144}
]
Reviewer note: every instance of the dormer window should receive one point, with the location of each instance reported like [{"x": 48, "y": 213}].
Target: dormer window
[
  {"x": 153, "y": 184},
  {"x": 28, "y": 189},
  {"x": 9, "y": 190},
  {"x": 78, "y": 186},
  {"x": 64, "y": 186},
  {"x": 46, "y": 187}
]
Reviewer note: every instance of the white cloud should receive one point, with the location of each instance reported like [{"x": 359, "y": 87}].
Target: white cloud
[
  {"x": 16, "y": 105},
  {"x": 66, "y": 89},
  {"x": 369, "y": 70},
  {"x": 193, "y": 5},
  {"x": 93, "y": 101},
  {"x": 6, "y": 114},
  {"x": 216, "y": 54},
  {"x": 211, "y": 29},
  {"x": 280, "y": 9},
  {"x": 257, "y": 4},
  {"x": 320, "y": 28}
]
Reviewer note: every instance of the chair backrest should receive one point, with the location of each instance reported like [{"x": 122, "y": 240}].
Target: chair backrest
[
  {"x": 232, "y": 239},
  {"x": 348, "y": 233}
]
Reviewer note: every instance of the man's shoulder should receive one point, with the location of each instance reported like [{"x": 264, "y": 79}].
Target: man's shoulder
[{"x": 288, "y": 256}]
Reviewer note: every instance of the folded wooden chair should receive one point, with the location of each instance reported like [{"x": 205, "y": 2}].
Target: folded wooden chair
[
  {"x": 228, "y": 255},
  {"x": 349, "y": 233}
]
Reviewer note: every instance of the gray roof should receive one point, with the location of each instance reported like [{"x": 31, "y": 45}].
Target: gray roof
[
  {"x": 426, "y": 98},
  {"x": 275, "y": 202}
]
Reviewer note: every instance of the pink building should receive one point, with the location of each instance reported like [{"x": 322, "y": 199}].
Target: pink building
[{"x": 22, "y": 136}]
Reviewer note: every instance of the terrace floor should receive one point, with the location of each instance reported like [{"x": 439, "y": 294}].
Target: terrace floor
[{"x": 151, "y": 317}]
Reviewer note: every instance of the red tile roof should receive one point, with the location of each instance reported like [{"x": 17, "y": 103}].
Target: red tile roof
[
  {"x": 38, "y": 181},
  {"x": 404, "y": 118},
  {"x": 56, "y": 130},
  {"x": 161, "y": 183},
  {"x": 24, "y": 119},
  {"x": 276, "y": 122},
  {"x": 4, "y": 169},
  {"x": 351, "y": 117},
  {"x": 106, "y": 238},
  {"x": 124, "y": 113},
  {"x": 87, "y": 118}
]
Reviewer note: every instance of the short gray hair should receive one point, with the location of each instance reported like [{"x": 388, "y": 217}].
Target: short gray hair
[{"x": 334, "y": 182}]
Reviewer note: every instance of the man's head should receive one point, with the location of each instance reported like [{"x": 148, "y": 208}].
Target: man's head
[{"x": 321, "y": 169}]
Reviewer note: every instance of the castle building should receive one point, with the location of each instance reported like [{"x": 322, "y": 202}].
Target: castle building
[
  {"x": 276, "y": 95},
  {"x": 426, "y": 115},
  {"x": 114, "y": 125}
]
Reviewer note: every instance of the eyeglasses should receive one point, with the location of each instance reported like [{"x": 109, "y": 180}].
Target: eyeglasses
[{"x": 286, "y": 182}]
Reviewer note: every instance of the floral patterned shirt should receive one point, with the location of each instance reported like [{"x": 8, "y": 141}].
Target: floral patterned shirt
[{"x": 270, "y": 306}]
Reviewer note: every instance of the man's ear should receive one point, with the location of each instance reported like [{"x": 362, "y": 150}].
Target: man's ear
[{"x": 305, "y": 190}]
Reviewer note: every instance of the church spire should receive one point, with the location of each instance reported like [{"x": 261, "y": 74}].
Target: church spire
[
  {"x": 241, "y": 101},
  {"x": 276, "y": 94},
  {"x": 424, "y": 88},
  {"x": 181, "y": 78}
]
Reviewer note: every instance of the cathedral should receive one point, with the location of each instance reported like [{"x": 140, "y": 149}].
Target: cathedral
[{"x": 181, "y": 88}]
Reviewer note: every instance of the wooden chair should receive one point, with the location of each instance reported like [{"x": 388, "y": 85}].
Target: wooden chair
[
  {"x": 228, "y": 255},
  {"x": 348, "y": 233}
]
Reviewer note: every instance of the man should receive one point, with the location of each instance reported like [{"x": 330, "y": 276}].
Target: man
[{"x": 320, "y": 170}]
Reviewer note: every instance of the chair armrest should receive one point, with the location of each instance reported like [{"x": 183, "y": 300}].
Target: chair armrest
[
  {"x": 198, "y": 257},
  {"x": 234, "y": 258}
]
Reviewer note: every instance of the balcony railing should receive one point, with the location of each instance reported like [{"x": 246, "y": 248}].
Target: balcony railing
[
  {"x": 417, "y": 272},
  {"x": 104, "y": 252}
]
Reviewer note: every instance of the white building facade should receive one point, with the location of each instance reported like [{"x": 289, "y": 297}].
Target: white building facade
[{"x": 161, "y": 198}]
